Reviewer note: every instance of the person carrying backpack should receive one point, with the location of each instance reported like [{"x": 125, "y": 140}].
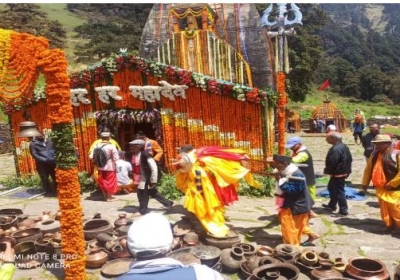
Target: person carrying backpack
[
  {"x": 104, "y": 156},
  {"x": 383, "y": 170}
]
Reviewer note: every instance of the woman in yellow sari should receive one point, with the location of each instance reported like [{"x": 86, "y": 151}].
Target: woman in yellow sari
[{"x": 209, "y": 178}]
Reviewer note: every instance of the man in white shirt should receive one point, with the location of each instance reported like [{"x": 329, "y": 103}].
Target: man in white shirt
[{"x": 124, "y": 174}]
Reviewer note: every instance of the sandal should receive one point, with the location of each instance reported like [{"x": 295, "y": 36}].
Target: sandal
[{"x": 311, "y": 238}]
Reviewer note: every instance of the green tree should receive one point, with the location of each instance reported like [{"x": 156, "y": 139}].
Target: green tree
[
  {"x": 372, "y": 82},
  {"x": 30, "y": 19}
]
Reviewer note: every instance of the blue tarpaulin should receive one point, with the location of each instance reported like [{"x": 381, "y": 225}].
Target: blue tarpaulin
[{"x": 351, "y": 194}]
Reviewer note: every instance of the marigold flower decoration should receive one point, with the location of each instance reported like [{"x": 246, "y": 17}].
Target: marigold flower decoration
[{"x": 22, "y": 57}]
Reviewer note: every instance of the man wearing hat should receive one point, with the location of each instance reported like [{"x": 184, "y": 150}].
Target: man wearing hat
[
  {"x": 338, "y": 165},
  {"x": 107, "y": 176},
  {"x": 297, "y": 201},
  {"x": 300, "y": 154},
  {"x": 150, "y": 240},
  {"x": 144, "y": 165},
  {"x": 383, "y": 169}
]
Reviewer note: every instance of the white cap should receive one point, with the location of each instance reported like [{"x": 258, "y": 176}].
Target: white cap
[
  {"x": 151, "y": 232},
  {"x": 138, "y": 142},
  {"x": 105, "y": 134},
  {"x": 331, "y": 127}
]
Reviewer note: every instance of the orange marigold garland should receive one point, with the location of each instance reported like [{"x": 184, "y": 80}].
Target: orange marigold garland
[
  {"x": 282, "y": 102},
  {"x": 22, "y": 59}
]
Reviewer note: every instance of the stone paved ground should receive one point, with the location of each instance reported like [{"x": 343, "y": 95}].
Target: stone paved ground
[{"x": 358, "y": 234}]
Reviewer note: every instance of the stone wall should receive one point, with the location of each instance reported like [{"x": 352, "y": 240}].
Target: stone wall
[{"x": 5, "y": 138}]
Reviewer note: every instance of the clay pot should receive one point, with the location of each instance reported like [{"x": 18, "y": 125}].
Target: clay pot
[
  {"x": 26, "y": 222},
  {"x": 366, "y": 268},
  {"x": 122, "y": 221},
  {"x": 104, "y": 237},
  {"x": 268, "y": 260},
  {"x": 96, "y": 258},
  {"x": 94, "y": 227},
  {"x": 57, "y": 237},
  {"x": 123, "y": 230},
  {"x": 191, "y": 238},
  {"x": 309, "y": 257},
  {"x": 265, "y": 251},
  {"x": 286, "y": 252},
  {"x": 223, "y": 242},
  {"x": 231, "y": 259},
  {"x": 276, "y": 271},
  {"x": 250, "y": 264},
  {"x": 31, "y": 234},
  {"x": 6, "y": 222},
  {"x": 248, "y": 249},
  {"x": 25, "y": 248},
  {"x": 47, "y": 218},
  {"x": 324, "y": 271},
  {"x": 118, "y": 251},
  {"x": 208, "y": 255},
  {"x": 176, "y": 243},
  {"x": 323, "y": 256},
  {"x": 58, "y": 215}
]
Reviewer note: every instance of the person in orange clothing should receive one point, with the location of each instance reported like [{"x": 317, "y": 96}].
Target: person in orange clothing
[
  {"x": 297, "y": 201},
  {"x": 383, "y": 169}
]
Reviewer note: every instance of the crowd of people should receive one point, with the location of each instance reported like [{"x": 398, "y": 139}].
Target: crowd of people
[{"x": 200, "y": 170}]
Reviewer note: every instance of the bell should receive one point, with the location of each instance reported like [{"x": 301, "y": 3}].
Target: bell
[{"x": 28, "y": 129}]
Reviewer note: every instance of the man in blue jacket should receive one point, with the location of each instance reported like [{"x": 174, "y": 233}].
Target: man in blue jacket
[
  {"x": 338, "y": 166},
  {"x": 42, "y": 150}
]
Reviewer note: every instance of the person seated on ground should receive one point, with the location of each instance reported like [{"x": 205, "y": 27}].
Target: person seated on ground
[
  {"x": 124, "y": 174},
  {"x": 150, "y": 240},
  {"x": 7, "y": 269}
]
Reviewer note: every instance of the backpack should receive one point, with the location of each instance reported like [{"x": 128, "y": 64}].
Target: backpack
[{"x": 100, "y": 156}]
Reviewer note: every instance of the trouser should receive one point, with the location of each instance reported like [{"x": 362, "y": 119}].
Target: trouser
[
  {"x": 144, "y": 195},
  {"x": 292, "y": 226},
  {"x": 390, "y": 213},
  {"x": 45, "y": 170},
  {"x": 337, "y": 194}
]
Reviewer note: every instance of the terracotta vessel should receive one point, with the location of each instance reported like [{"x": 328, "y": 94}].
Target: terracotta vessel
[
  {"x": 265, "y": 251},
  {"x": 47, "y": 218},
  {"x": 25, "y": 222},
  {"x": 31, "y": 234},
  {"x": 231, "y": 259},
  {"x": 324, "y": 271},
  {"x": 191, "y": 238},
  {"x": 323, "y": 256},
  {"x": 223, "y": 242},
  {"x": 276, "y": 271},
  {"x": 94, "y": 227},
  {"x": 286, "y": 252},
  {"x": 122, "y": 221},
  {"x": 96, "y": 258},
  {"x": 248, "y": 249},
  {"x": 6, "y": 222},
  {"x": 366, "y": 268},
  {"x": 309, "y": 257},
  {"x": 208, "y": 255}
]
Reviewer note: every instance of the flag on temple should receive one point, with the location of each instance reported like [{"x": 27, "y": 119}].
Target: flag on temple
[{"x": 324, "y": 85}]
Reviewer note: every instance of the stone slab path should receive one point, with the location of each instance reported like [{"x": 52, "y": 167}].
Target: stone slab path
[{"x": 357, "y": 235}]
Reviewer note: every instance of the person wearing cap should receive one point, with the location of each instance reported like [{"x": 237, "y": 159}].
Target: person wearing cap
[
  {"x": 95, "y": 143},
  {"x": 331, "y": 128},
  {"x": 383, "y": 169},
  {"x": 153, "y": 148},
  {"x": 124, "y": 174},
  {"x": 107, "y": 175},
  {"x": 150, "y": 239},
  {"x": 297, "y": 201},
  {"x": 338, "y": 166},
  {"x": 145, "y": 166},
  {"x": 366, "y": 140},
  {"x": 43, "y": 152},
  {"x": 300, "y": 154}
]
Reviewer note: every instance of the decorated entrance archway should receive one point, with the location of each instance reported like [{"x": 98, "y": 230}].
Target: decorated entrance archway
[{"x": 22, "y": 58}]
